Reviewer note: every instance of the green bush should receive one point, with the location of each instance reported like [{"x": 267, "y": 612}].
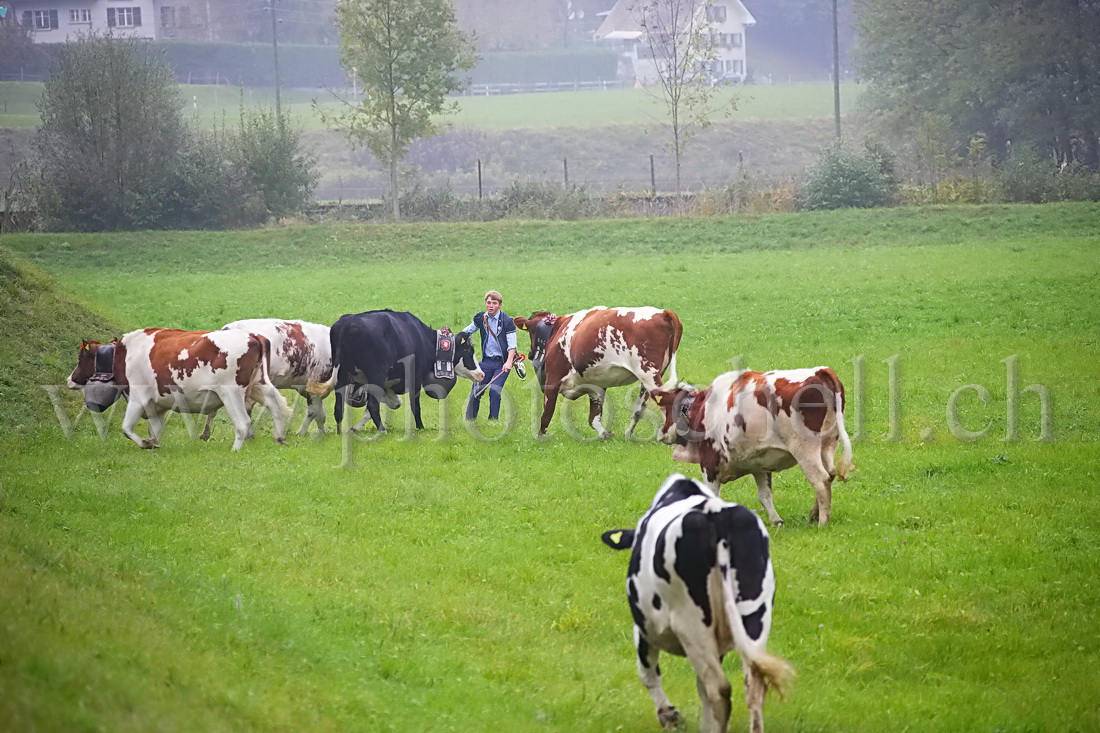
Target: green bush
[
  {"x": 270, "y": 152},
  {"x": 1077, "y": 183},
  {"x": 1027, "y": 177},
  {"x": 846, "y": 176},
  {"x": 211, "y": 189}
]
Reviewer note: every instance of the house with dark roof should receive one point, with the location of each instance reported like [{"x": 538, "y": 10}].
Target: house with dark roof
[{"x": 725, "y": 20}]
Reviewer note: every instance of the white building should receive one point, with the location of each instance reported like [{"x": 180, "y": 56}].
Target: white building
[
  {"x": 56, "y": 21},
  {"x": 727, "y": 20}
]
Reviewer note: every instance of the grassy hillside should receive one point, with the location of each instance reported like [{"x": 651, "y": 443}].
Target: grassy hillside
[
  {"x": 450, "y": 581},
  {"x": 607, "y": 137},
  {"x": 40, "y": 330},
  {"x": 214, "y": 104}
]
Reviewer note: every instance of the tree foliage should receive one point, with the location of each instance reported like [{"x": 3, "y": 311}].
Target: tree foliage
[
  {"x": 405, "y": 56},
  {"x": 847, "y": 176},
  {"x": 681, "y": 41},
  {"x": 110, "y": 136},
  {"x": 113, "y": 150},
  {"x": 1015, "y": 70}
]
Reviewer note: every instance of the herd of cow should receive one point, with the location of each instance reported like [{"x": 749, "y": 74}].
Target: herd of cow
[{"x": 700, "y": 580}]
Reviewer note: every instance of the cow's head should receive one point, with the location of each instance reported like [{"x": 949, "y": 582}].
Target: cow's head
[
  {"x": 676, "y": 403},
  {"x": 465, "y": 360},
  {"x": 540, "y": 325},
  {"x": 95, "y": 374}
]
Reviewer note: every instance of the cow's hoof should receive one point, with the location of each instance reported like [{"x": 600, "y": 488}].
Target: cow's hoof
[
  {"x": 150, "y": 444},
  {"x": 605, "y": 435},
  {"x": 670, "y": 718},
  {"x": 204, "y": 436},
  {"x": 280, "y": 441},
  {"x": 778, "y": 523}
]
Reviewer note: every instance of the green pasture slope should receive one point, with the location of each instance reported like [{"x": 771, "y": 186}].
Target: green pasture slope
[
  {"x": 440, "y": 581},
  {"x": 215, "y": 105}
]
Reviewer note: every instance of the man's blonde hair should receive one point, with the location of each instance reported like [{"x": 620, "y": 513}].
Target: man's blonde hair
[{"x": 494, "y": 295}]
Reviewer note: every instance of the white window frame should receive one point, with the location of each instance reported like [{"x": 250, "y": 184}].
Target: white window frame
[
  {"x": 40, "y": 20},
  {"x": 168, "y": 16},
  {"x": 124, "y": 17},
  {"x": 80, "y": 16}
]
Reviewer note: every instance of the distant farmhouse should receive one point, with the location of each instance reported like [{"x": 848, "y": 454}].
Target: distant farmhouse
[
  {"x": 57, "y": 21},
  {"x": 728, "y": 20}
]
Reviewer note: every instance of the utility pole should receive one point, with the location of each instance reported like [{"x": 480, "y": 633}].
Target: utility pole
[
  {"x": 836, "y": 72},
  {"x": 275, "y": 52}
]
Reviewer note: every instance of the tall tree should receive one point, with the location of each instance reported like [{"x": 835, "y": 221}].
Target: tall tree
[
  {"x": 111, "y": 134},
  {"x": 1019, "y": 70},
  {"x": 406, "y": 56},
  {"x": 681, "y": 41}
]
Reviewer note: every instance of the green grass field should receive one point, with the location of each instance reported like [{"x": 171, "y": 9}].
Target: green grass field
[
  {"x": 450, "y": 582},
  {"x": 214, "y": 104}
]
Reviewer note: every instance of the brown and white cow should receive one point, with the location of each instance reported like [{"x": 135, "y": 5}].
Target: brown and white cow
[
  {"x": 760, "y": 422},
  {"x": 162, "y": 369},
  {"x": 300, "y": 354},
  {"x": 590, "y": 351}
]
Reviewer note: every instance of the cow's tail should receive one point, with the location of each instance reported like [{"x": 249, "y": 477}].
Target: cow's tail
[
  {"x": 676, "y": 332},
  {"x": 775, "y": 669},
  {"x": 844, "y": 466},
  {"x": 254, "y": 391},
  {"x": 326, "y": 381}
]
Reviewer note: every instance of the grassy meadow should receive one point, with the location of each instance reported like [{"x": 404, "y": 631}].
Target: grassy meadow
[
  {"x": 213, "y": 104},
  {"x": 454, "y": 579}
]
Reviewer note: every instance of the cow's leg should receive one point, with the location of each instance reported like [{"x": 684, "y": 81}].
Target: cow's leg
[
  {"x": 639, "y": 410},
  {"x": 316, "y": 413},
  {"x": 134, "y": 411},
  {"x": 156, "y": 425},
  {"x": 650, "y": 673},
  {"x": 233, "y": 400},
  {"x": 304, "y": 429},
  {"x": 756, "y": 686},
  {"x": 276, "y": 404},
  {"x": 205, "y": 434},
  {"x": 710, "y": 679},
  {"x": 374, "y": 412},
  {"x": 764, "y": 494},
  {"x": 828, "y": 454},
  {"x": 596, "y": 397},
  {"x": 414, "y": 405},
  {"x": 822, "y": 482},
  {"x": 549, "y": 402}
]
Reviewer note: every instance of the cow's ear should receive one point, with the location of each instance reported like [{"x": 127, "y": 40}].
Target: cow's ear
[
  {"x": 618, "y": 539},
  {"x": 521, "y": 323}
]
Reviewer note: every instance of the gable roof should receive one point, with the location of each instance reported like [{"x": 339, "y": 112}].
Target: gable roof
[{"x": 621, "y": 22}]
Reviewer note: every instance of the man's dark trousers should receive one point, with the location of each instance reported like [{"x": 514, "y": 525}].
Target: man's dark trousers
[{"x": 492, "y": 366}]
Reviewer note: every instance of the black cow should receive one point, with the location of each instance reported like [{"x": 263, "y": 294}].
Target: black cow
[
  {"x": 394, "y": 353},
  {"x": 700, "y": 584}
]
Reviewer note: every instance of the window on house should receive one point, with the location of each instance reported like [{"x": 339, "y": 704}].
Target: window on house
[
  {"x": 124, "y": 17},
  {"x": 184, "y": 16},
  {"x": 167, "y": 16},
  {"x": 716, "y": 13},
  {"x": 735, "y": 40},
  {"x": 80, "y": 15},
  {"x": 40, "y": 20}
]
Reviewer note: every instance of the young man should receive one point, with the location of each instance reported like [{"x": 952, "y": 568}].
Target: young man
[{"x": 498, "y": 351}]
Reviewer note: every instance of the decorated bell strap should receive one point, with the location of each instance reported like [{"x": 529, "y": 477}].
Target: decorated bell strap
[
  {"x": 444, "y": 354},
  {"x": 104, "y": 364}
]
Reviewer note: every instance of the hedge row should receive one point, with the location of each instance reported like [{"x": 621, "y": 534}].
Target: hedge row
[{"x": 316, "y": 66}]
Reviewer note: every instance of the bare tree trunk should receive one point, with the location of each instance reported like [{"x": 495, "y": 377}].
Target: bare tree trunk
[{"x": 394, "y": 192}]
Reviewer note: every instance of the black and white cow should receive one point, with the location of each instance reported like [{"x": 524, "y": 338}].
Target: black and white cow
[
  {"x": 700, "y": 584},
  {"x": 393, "y": 353}
]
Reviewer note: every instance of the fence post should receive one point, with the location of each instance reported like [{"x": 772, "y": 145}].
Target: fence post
[
  {"x": 565, "y": 165},
  {"x": 479, "y": 179},
  {"x": 652, "y": 177}
]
